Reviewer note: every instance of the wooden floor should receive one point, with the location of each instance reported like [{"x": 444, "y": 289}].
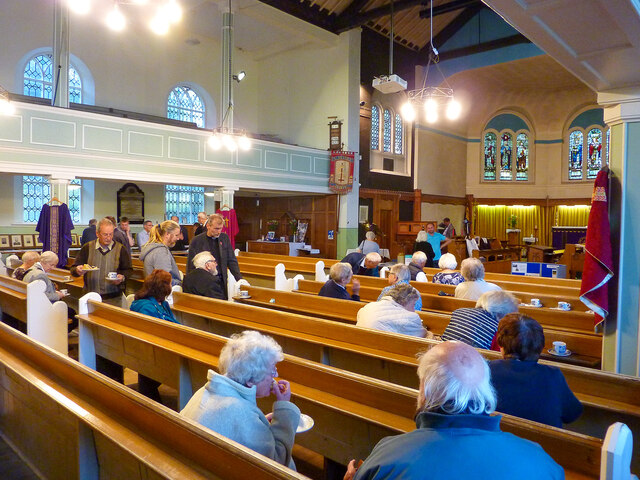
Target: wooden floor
[{"x": 11, "y": 465}]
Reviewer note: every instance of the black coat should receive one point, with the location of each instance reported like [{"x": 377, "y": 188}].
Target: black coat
[
  {"x": 332, "y": 290},
  {"x": 355, "y": 259},
  {"x": 200, "y": 243},
  {"x": 201, "y": 282},
  {"x": 427, "y": 249}
]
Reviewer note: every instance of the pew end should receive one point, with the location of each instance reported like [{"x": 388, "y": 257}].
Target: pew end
[
  {"x": 46, "y": 322},
  {"x": 617, "y": 449}
]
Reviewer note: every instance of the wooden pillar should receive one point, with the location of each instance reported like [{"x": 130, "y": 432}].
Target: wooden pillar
[{"x": 417, "y": 205}]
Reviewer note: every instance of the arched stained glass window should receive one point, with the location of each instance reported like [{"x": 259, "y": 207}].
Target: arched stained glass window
[
  {"x": 38, "y": 79},
  {"x": 386, "y": 131},
  {"x": 185, "y": 104},
  {"x": 375, "y": 128},
  {"x": 490, "y": 156},
  {"x": 75, "y": 197},
  {"x": 36, "y": 191},
  {"x": 184, "y": 201},
  {"x": 397, "y": 141},
  {"x": 594, "y": 160},
  {"x": 575, "y": 155},
  {"x": 506, "y": 151},
  {"x": 522, "y": 157}
]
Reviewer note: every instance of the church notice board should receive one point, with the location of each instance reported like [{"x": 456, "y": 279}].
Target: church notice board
[{"x": 131, "y": 203}]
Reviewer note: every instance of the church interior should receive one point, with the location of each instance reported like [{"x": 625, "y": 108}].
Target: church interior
[{"x": 243, "y": 106}]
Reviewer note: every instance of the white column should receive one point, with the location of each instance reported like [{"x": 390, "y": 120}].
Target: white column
[
  {"x": 61, "y": 53},
  {"x": 60, "y": 188},
  {"x": 227, "y": 66},
  {"x": 225, "y": 196},
  {"x": 621, "y": 330}
]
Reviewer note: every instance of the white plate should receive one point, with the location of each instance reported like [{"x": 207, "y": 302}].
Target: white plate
[
  {"x": 306, "y": 423},
  {"x": 551, "y": 351},
  {"x": 532, "y": 305}
]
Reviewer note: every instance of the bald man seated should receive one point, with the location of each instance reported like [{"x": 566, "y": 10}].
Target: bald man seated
[{"x": 455, "y": 435}]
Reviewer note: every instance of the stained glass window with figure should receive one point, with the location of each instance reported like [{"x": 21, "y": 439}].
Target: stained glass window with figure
[
  {"x": 522, "y": 157},
  {"x": 594, "y": 160},
  {"x": 506, "y": 151},
  {"x": 386, "y": 131},
  {"x": 575, "y": 155},
  {"x": 490, "y": 156},
  {"x": 375, "y": 128},
  {"x": 186, "y": 105}
]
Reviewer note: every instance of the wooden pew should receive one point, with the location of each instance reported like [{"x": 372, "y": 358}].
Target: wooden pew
[
  {"x": 498, "y": 260},
  {"x": 328, "y": 262},
  {"x": 549, "y": 295},
  {"x": 352, "y": 412},
  {"x": 570, "y": 327},
  {"x": 69, "y": 422},
  {"x": 45, "y": 321}
]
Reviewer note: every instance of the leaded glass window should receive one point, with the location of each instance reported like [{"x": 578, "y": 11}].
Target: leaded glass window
[
  {"x": 506, "y": 149},
  {"x": 75, "y": 197},
  {"x": 608, "y": 138},
  {"x": 184, "y": 201},
  {"x": 575, "y": 155},
  {"x": 522, "y": 157},
  {"x": 594, "y": 160},
  {"x": 375, "y": 128},
  {"x": 490, "y": 156},
  {"x": 36, "y": 191},
  {"x": 386, "y": 131},
  {"x": 185, "y": 104},
  {"x": 397, "y": 141},
  {"x": 38, "y": 79}
]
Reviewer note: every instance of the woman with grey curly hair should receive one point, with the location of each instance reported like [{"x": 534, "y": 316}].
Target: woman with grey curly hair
[
  {"x": 226, "y": 404},
  {"x": 474, "y": 284}
]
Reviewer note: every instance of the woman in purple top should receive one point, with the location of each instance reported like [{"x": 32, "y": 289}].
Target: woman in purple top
[{"x": 448, "y": 275}]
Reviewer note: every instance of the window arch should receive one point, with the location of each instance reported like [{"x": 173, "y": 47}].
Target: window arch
[
  {"x": 36, "y": 191},
  {"x": 386, "y": 130},
  {"x": 375, "y": 128},
  {"x": 38, "y": 79},
  {"x": 388, "y": 142},
  {"x": 398, "y": 135},
  {"x": 506, "y": 152},
  {"x": 588, "y": 145},
  {"x": 186, "y": 105}
]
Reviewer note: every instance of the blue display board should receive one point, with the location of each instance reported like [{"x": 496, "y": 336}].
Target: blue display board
[{"x": 537, "y": 269}]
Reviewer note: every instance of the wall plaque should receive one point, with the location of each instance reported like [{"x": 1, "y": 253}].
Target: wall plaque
[{"x": 131, "y": 203}]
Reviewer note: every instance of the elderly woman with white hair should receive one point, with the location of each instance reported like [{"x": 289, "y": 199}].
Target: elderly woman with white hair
[
  {"x": 369, "y": 244},
  {"x": 448, "y": 274},
  {"x": 340, "y": 275},
  {"x": 395, "y": 313},
  {"x": 48, "y": 261},
  {"x": 29, "y": 259},
  {"x": 474, "y": 284},
  {"x": 398, "y": 274},
  {"x": 226, "y": 404},
  {"x": 422, "y": 245},
  {"x": 477, "y": 326}
]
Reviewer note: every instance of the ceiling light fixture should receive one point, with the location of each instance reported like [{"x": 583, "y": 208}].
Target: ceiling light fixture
[
  {"x": 79, "y": 7},
  {"x": 430, "y": 98},
  {"x": 115, "y": 19}
]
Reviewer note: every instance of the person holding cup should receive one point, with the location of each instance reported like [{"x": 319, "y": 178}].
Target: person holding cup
[
  {"x": 525, "y": 388},
  {"x": 226, "y": 404}
]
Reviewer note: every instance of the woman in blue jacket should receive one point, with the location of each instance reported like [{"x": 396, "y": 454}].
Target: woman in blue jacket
[{"x": 151, "y": 300}]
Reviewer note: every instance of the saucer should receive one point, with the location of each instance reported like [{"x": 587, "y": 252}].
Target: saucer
[
  {"x": 551, "y": 351},
  {"x": 243, "y": 296},
  {"x": 534, "y": 306},
  {"x": 306, "y": 423}
]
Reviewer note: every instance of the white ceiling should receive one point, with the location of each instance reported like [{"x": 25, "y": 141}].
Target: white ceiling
[{"x": 597, "y": 40}]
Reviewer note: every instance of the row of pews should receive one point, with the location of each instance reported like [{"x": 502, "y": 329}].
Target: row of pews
[{"x": 359, "y": 385}]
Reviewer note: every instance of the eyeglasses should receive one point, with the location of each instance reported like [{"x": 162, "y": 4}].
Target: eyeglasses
[{"x": 210, "y": 261}]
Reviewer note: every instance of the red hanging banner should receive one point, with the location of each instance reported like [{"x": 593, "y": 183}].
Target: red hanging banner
[{"x": 341, "y": 172}]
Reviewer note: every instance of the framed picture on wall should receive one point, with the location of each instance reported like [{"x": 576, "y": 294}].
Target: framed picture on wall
[
  {"x": 16, "y": 241},
  {"x": 4, "y": 241},
  {"x": 27, "y": 241},
  {"x": 36, "y": 241},
  {"x": 75, "y": 240}
]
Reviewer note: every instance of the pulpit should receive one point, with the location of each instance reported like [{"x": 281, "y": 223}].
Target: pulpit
[{"x": 513, "y": 236}]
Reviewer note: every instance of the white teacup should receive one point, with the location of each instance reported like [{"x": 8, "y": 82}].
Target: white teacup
[
  {"x": 564, "y": 305},
  {"x": 64, "y": 291},
  {"x": 535, "y": 302},
  {"x": 560, "y": 347},
  {"x": 244, "y": 293},
  {"x": 112, "y": 275}
]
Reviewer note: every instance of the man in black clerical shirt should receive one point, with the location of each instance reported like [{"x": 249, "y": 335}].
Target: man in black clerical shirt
[
  {"x": 219, "y": 244},
  {"x": 204, "y": 279}
]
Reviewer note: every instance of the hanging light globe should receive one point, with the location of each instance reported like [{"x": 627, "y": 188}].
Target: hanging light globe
[
  {"x": 408, "y": 112},
  {"x": 81, "y": 7},
  {"x": 215, "y": 142},
  {"x": 229, "y": 142},
  {"x": 453, "y": 109},
  {"x": 244, "y": 143},
  {"x": 115, "y": 20},
  {"x": 431, "y": 110}
]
